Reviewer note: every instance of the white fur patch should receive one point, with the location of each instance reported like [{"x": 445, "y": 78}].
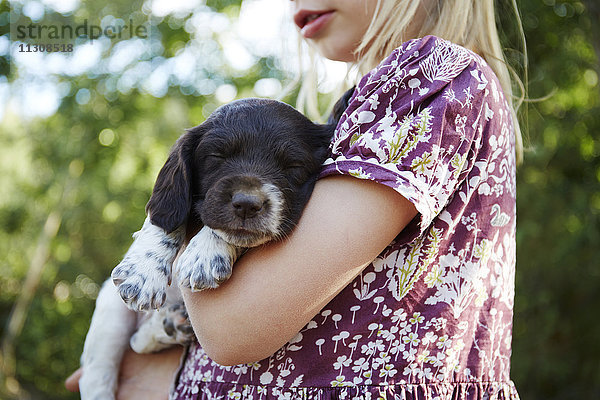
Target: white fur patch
[
  {"x": 276, "y": 201},
  {"x": 145, "y": 272},
  {"x": 107, "y": 339}
]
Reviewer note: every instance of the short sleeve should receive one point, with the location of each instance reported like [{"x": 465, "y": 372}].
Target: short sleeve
[{"x": 414, "y": 124}]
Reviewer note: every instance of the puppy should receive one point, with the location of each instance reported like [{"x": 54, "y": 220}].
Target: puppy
[{"x": 238, "y": 180}]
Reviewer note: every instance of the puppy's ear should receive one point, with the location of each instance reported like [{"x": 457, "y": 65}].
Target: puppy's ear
[
  {"x": 339, "y": 107},
  {"x": 171, "y": 199}
]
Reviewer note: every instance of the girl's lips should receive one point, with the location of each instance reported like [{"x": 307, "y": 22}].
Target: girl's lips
[{"x": 311, "y": 22}]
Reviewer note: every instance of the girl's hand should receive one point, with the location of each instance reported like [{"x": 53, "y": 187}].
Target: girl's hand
[
  {"x": 72, "y": 382},
  {"x": 143, "y": 376}
]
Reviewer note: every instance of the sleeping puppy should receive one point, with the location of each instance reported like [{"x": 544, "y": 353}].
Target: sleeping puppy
[
  {"x": 243, "y": 177},
  {"x": 238, "y": 180}
]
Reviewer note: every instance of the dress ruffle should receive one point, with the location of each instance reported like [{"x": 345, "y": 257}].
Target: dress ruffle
[{"x": 423, "y": 391}]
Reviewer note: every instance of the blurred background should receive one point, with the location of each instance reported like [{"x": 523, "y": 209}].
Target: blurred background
[{"x": 84, "y": 132}]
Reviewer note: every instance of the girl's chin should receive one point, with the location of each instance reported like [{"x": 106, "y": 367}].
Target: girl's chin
[{"x": 334, "y": 52}]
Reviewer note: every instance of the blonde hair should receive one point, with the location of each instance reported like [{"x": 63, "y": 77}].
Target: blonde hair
[{"x": 469, "y": 23}]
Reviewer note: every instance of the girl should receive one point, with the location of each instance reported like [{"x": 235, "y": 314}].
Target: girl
[{"x": 398, "y": 281}]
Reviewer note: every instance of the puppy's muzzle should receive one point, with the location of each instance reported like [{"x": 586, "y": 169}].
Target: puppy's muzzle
[{"x": 244, "y": 209}]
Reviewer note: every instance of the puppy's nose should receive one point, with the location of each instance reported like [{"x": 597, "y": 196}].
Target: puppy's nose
[{"x": 246, "y": 205}]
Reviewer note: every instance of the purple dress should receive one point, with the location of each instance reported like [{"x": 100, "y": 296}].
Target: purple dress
[{"x": 431, "y": 317}]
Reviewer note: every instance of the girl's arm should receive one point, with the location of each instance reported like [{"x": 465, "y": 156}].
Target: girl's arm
[{"x": 277, "y": 289}]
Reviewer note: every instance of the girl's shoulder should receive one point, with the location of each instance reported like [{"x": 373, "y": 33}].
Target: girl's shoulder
[
  {"x": 420, "y": 121},
  {"x": 439, "y": 58},
  {"x": 425, "y": 66}
]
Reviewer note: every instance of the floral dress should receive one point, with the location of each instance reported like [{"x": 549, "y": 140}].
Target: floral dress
[{"x": 431, "y": 317}]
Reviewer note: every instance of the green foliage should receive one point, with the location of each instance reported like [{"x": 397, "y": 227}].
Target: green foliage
[
  {"x": 554, "y": 356},
  {"x": 91, "y": 166}
]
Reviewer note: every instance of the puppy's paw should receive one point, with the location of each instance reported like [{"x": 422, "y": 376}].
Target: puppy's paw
[
  {"x": 162, "y": 329},
  {"x": 177, "y": 325},
  {"x": 206, "y": 262},
  {"x": 204, "y": 271},
  {"x": 145, "y": 272},
  {"x": 141, "y": 289}
]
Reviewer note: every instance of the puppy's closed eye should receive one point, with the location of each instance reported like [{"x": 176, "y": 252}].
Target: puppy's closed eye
[
  {"x": 294, "y": 166},
  {"x": 214, "y": 158}
]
